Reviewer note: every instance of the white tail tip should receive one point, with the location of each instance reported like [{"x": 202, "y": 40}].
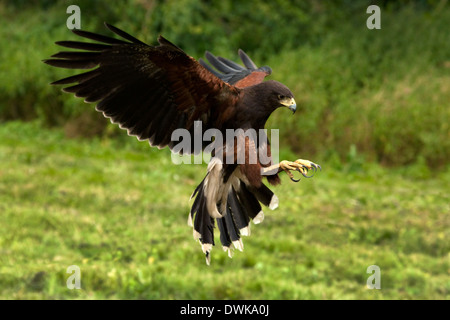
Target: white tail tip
[
  {"x": 259, "y": 218},
  {"x": 229, "y": 251},
  {"x": 238, "y": 245},
  {"x": 273, "y": 203},
  {"x": 245, "y": 231}
]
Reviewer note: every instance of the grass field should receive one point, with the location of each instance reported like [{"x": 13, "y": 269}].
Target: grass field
[{"x": 118, "y": 210}]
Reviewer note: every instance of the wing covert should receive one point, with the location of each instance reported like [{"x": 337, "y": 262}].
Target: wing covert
[{"x": 233, "y": 73}]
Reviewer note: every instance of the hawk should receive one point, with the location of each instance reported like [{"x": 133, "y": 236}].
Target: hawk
[{"x": 151, "y": 91}]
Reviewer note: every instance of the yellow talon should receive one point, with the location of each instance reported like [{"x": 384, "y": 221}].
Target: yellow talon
[{"x": 299, "y": 165}]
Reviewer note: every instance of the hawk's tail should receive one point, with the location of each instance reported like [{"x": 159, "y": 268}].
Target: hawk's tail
[{"x": 242, "y": 205}]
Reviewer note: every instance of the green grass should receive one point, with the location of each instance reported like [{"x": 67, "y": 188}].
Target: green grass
[{"x": 118, "y": 210}]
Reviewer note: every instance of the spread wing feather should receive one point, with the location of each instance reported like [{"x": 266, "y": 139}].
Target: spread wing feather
[{"x": 148, "y": 90}]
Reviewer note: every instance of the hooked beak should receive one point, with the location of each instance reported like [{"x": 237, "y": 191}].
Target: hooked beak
[{"x": 290, "y": 103}]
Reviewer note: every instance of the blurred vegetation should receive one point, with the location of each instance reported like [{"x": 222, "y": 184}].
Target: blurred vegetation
[
  {"x": 118, "y": 211},
  {"x": 370, "y": 95}
]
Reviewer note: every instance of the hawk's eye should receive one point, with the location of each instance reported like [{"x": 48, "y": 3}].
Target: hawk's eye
[{"x": 280, "y": 97}]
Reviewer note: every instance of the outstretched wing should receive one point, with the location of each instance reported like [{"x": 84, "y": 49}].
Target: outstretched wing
[
  {"x": 148, "y": 90},
  {"x": 233, "y": 73}
]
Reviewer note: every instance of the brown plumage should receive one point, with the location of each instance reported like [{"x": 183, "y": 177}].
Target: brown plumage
[{"x": 153, "y": 90}]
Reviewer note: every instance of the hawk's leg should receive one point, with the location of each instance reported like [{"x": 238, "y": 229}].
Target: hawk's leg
[{"x": 299, "y": 165}]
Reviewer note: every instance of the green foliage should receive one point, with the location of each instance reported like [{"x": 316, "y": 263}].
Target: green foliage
[
  {"x": 385, "y": 91},
  {"x": 118, "y": 210},
  {"x": 382, "y": 92}
]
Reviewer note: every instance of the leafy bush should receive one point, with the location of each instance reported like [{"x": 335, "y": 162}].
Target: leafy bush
[{"x": 380, "y": 93}]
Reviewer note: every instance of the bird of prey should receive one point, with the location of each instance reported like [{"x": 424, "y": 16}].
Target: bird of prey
[{"x": 151, "y": 91}]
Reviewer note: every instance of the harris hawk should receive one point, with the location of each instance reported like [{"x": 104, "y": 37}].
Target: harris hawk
[{"x": 151, "y": 91}]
